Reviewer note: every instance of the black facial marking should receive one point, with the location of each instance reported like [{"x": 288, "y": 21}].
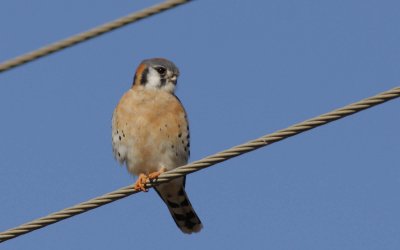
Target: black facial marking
[
  {"x": 172, "y": 204},
  {"x": 163, "y": 81},
  {"x": 143, "y": 80}
]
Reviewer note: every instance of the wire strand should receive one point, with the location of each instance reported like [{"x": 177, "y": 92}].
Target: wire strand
[
  {"x": 92, "y": 33},
  {"x": 204, "y": 163}
]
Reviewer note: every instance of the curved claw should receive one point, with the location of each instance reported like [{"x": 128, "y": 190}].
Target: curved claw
[
  {"x": 140, "y": 183},
  {"x": 154, "y": 175}
]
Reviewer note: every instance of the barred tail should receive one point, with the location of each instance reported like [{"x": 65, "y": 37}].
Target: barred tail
[{"x": 174, "y": 195}]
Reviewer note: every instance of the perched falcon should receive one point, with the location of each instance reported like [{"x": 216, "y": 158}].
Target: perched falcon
[{"x": 150, "y": 134}]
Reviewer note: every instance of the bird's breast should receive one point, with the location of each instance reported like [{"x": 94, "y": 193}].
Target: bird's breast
[{"x": 150, "y": 131}]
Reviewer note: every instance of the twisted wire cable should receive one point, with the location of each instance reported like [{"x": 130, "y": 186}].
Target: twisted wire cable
[
  {"x": 92, "y": 33},
  {"x": 204, "y": 163}
]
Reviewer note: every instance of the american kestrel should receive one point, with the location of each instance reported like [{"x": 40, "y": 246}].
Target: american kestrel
[{"x": 150, "y": 134}]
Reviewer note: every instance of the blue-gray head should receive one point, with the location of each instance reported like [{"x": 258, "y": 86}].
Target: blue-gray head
[{"x": 157, "y": 74}]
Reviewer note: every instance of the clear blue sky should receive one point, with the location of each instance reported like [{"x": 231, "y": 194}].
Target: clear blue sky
[{"x": 248, "y": 68}]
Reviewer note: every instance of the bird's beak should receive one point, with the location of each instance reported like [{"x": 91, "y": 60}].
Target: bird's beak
[{"x": 174, "y": 78}]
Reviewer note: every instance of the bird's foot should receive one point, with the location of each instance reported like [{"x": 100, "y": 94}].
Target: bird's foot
[
  {"x": 140, "y": 183},
  {"x": 154, "y": 175}
]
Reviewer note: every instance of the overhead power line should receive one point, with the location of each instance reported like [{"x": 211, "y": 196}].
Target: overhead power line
[
  {"x": 95, "y": 32},
  {"x": 204, "y": 163}
]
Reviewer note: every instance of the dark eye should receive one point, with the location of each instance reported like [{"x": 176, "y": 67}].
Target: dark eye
[{"x": 161, "y": 70}]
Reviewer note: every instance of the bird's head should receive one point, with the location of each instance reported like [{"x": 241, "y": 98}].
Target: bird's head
[{"x": 156, "y": 74}]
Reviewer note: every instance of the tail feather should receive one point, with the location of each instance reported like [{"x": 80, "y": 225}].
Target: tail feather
[{"x": 174, "y": 195}]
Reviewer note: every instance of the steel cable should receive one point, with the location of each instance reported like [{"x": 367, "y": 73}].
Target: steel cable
[
  {"x": 204, "y": 163},
  {"x": 84, "y": 36}
]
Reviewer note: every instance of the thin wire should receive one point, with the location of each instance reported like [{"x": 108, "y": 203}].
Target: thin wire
[
  {"x": 204, "y": 163},
  {"x": 84, "y": 36}
]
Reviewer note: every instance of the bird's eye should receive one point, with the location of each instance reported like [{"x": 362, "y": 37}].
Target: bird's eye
[{"x": 161, "y": 70}]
